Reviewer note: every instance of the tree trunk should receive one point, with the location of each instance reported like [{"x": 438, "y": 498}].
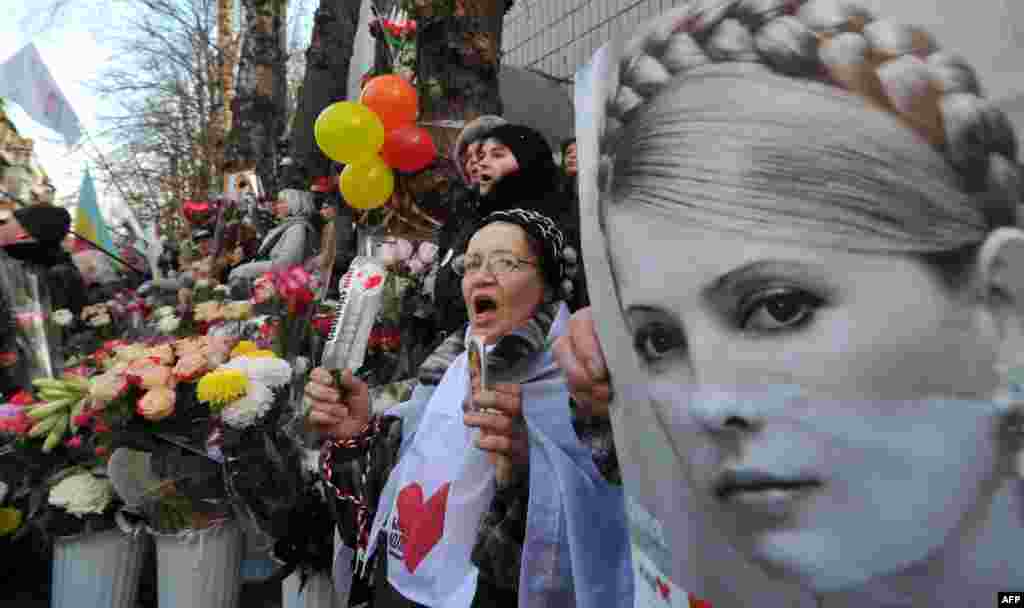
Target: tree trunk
[
  {"x": 227, "y": 61},
  {"x": 259, "y": 106},
  {"x": 457, "y": 62},
  {"x": 325, "y": 82},
  {"x": 458, "y": 56}
]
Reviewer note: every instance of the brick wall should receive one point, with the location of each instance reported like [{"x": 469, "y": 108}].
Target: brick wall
[{"x": 558, "y": 36}]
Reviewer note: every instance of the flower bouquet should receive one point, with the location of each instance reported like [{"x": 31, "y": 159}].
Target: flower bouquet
[
  {"x": 61, "y": 496},
  {"x": 287, "y": 296},
  {"x": 403, "y": 329},
  {"x": 399, "y": 34}
]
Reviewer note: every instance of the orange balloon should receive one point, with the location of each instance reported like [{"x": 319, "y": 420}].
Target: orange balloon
[{"x": 393, "y": 99}]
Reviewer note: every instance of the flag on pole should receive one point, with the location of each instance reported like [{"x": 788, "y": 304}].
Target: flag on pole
[
  {"x": 89, "y": 222},
  {"x": 25, "y": 80}
]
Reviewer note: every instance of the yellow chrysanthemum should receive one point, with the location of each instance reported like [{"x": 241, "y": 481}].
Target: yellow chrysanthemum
[
  {"x": 10, "y": 520},
  {"x": 222, "y": 386},
  {"x": 243, "y": 348},
  {"x": 261, "y": 354}
]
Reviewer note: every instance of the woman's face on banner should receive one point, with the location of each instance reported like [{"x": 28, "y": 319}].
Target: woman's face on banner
[{"x": 831, "y": 408}]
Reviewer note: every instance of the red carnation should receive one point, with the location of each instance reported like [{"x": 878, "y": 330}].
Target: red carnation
[
  {"x": 74, "y": 442},
  {"x": 23, "y": 398}
]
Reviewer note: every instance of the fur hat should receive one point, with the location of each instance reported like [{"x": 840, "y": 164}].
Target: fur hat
[{"x": 474, "y": 131}]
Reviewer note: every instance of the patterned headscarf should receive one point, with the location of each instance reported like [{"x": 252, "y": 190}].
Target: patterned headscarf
[{"x": 558, "y": 261}]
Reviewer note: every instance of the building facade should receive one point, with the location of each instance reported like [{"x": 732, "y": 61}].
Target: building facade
[
  {"x": 556, "y": 37},
  {"x": 23, "y": 181}
]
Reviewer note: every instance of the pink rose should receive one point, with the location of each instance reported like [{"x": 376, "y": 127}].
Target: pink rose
[
  {"x": 163, "y": 354},
  {"x": 263, "y": 290},
  {"x": 157, "y": 404},
  {"x": 191, "y": 366},
  {"x": 106, "y": 387},
  {"x": 427, "y": 252},
  {"x": 404, "y": 249},
  {"x": 416, "y": 266},
  {"x": 151, "y": 376}
]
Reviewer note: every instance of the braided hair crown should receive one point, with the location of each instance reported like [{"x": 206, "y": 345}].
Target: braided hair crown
[{"x": 895, "y": 68}]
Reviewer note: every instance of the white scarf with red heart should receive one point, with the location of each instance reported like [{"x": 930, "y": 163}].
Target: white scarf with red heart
[{"x": 444, "y": 486}]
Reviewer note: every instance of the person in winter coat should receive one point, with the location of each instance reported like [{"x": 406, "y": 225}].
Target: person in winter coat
[
  {"x": 292, "y": 242},
  {"x": 449, "y": 314},
  {"x": 34, "y": 236},
  {"x": 516, "y": 169}
]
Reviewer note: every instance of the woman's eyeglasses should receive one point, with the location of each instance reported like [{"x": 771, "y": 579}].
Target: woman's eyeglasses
[{"x": 497, "y": 264}]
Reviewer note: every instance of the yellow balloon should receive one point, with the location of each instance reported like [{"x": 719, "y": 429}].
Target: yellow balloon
[
  {"x": 367, "y": 185},
  {"x": 349, "y": 132}
]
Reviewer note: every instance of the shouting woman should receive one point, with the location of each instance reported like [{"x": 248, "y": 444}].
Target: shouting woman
[{"x": 487, "y": 489}]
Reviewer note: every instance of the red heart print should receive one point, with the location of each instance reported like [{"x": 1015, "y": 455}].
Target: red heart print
[
  {"x": 422, "y": 523},
  {"x": 373, "y": 281}
]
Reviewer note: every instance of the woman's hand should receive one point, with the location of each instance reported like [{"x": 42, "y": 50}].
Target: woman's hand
[
  {"x": 338, "y": 411},
  {"x": 502, "y": 428},
  {"x": 579, "y": 355}
]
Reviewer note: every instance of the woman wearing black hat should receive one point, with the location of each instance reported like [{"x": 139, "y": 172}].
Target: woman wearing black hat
[
  {"x": 516, "y": 169},
  {"x": 34, "y": 236}
]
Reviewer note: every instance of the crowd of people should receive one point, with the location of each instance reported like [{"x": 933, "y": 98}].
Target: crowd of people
[{"x": 808, "y": 233}]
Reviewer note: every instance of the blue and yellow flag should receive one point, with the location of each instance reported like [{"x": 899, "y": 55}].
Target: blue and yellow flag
[{"x": 89, "y": 222}]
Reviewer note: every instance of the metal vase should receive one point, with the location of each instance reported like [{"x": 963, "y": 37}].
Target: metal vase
[
  {"x": 98, "y": 570},
  {"x": 200, "y": 569}
]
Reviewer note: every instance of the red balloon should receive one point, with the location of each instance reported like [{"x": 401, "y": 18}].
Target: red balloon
[
  {"x": 393, "y": 99},
  {"x": 408, "y": 149}
]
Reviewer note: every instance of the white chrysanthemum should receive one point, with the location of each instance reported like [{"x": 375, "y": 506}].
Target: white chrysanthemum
[
  {"x": 100, "y": 320},
  {"x": 163, "y": 312},
  {"x": 270, "y": 371},
  {"x": 202, "y": 283},
  {"x": 243, "y": 412},
  {"x": 168, "y": 325},
  {"x": 82, "y": 493},
  {"x": 63, "y": 317}
]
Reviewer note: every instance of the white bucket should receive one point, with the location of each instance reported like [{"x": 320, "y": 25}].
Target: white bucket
[
  {"x": 318, "y": 592},
  {"x": 97, "y": 570},
  {"x": 200, "y": 569}
]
